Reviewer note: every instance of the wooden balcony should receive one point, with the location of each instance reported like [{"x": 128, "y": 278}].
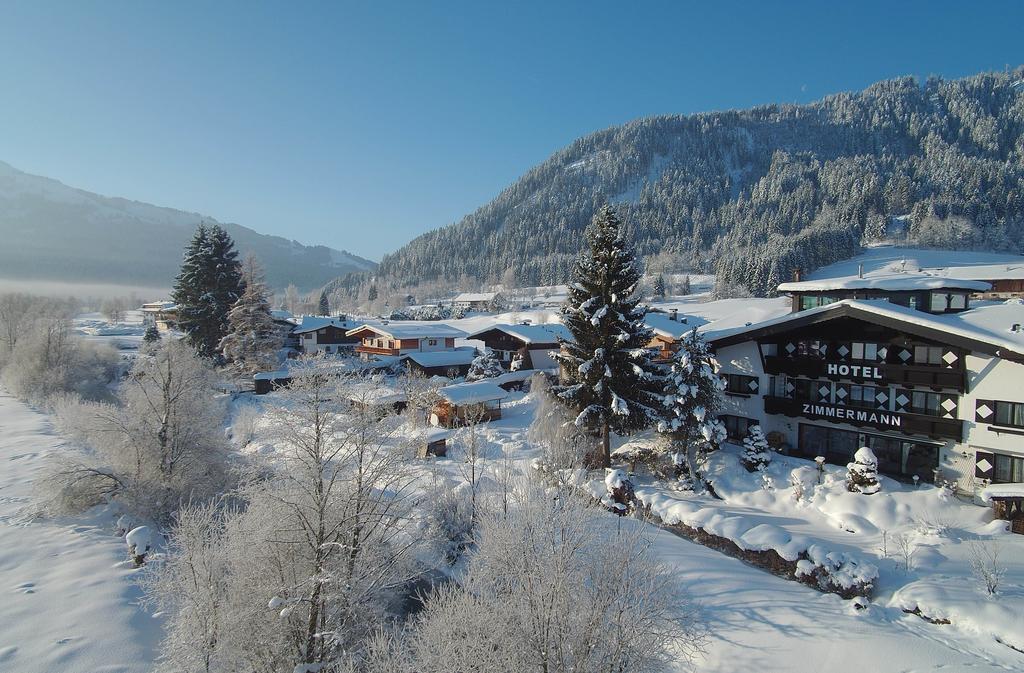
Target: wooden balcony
[
  {"x": 905, "y": 423},
  {"x": 373, "y": 350},
  {"x": 892, "y": 374}
]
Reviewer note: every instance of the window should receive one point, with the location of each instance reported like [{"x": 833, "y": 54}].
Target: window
[
  {"x": 924, "y": 403},
  {"x": 812, "y": 391},
  {"x": 1009, "y": 469},
  {"x": 769, "y": 350},
  {"x": 928, "y": 355},
  {"x": 739, "y": 384},
  {"x": 864, "y": 351},
  {"x": 1010, "y": 413},
  {"x": 736, "y": 427},
  {"x": 431, "y": 342},
  {"x": 863, "y": 397}
]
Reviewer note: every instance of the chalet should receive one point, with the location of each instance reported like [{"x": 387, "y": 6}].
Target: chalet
[
  {"x": 374, "y": 396},
  {"x": 1006, "y": 280},
  {"x": 917, "y": 291},
  {"x": 325, "y": 335},
  {"x": 267, "y": 382},
  {"x": 433, "y": 443},
  {"x": 448, "y": 363},
  {"x": 932, "y": 387},
  {"x": 530, "y": 345},
  {"x": 477, "y": 301},
  {"x": 467, "y": 403},
  {"x": 163, "y": 314},
  {"x": 401, "y": 338},
  {"x": 669, "y": 329}
]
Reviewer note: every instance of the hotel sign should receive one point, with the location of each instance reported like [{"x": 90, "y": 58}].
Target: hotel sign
[
  {"x": 881, "y": 419},
  {"x": 863, "y": 372}
]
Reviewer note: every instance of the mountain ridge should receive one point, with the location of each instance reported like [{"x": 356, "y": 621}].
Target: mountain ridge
[
  {"x": 56, "y": 232},
  {"x": 753, "y": 194}
]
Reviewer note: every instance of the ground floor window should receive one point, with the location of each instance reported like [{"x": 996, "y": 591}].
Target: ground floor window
[
  {"x": 897, "y": 457},
  {"x": 736, "y": 427},
  {"x": 1008, "y": 470}
]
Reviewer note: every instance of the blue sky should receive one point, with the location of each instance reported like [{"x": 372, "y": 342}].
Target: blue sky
[{"x": 362, "y": 125}]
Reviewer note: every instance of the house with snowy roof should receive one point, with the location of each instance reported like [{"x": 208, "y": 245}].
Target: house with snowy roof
[
  {"x": 477, "y": 301},
  {"x": 932, "y": 389},
  {"x": 398, "y": 338},
  {"x": 324, "y": 334},
  {"x": 668, "y": 329},
  {"x": 466, "y": 403},
  {"x": 529, "y": 345},
  {"x": 1006, "y": 280},
  {"x": 162, "y": 314}
]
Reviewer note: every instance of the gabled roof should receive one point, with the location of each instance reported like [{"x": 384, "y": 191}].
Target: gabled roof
[
  {"x": 530, "y": 334},
  {"x": 452, "y": 358},
  {"x": 472, "y": 393},
  {"x": 986, "y": 328},
  {"x": 311, "y": 323},
  {"x": 423, "y": 329},
  {"x": 664, "y": 326}
]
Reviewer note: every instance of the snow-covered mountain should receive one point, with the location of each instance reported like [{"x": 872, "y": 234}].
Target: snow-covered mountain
[{"x": 50, "y": 231}]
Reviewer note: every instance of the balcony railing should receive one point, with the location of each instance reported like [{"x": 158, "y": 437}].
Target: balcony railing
[
  {"x": 374, "y": 350},
  {"x": 892, "y": 374},
  {"x": 908, "y": 424}
]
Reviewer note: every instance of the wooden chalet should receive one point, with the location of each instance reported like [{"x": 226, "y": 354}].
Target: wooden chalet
[
  {"x": 324, "y": 334},
  {"x": 448, "y": 363},
  {"x": 530, "y": 345},
  {"x": 162, "y": 314},
  {"x": 917, "y": 291},
  {"x": 477, "y": 301},
  {"x": 467, "y": 403},
  {"x": 403, "y": 338},
  {"x": 669, "y": 329}
]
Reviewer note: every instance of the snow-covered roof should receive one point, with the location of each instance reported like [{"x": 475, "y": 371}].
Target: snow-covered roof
[
  {"x": 311, "y": 323},
  {"x": 513, "y": 377},
  {"x": 1002, "y": 491},
  {"x": 979, "y": 272},
  {"x": 373, "y": 392},
  {"x": 411, "y": 329},
  {"x": 157, "y": 306},
  {"x": 271, "y": 376},
  {"x": 987, "y": 322},
  {"x": 663, "y": 325},
  {"x": 475, "y": 296},
  {"x": 472, "y": 393},
  {"x": 281, "y": 314},
  {"x": 451, "y": 358},
  {"x": 530, "y": 334},
  {"x": 890, "y": 281}
]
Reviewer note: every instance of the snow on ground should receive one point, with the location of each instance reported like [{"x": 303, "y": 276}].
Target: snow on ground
[{"x": 68, "y": 602}]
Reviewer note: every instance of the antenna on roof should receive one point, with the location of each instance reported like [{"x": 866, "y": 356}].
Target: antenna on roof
[{"x": 860, "y": 270}]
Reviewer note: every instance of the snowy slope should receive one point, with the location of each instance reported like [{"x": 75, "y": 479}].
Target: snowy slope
[
  {"x": 55, "y": 232},
  {"x": 67, "y": 600}
]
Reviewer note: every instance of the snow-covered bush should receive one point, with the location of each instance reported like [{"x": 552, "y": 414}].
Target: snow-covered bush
[
  {"x": 862, "y": 473},
  {"x": 620, "y": 495},
  {"x": 140, "y": 543},
  {"x": 756, "y": 453},
  {"x": 836, "y": 572},
  {"x": 564, "y": 445},
  {"x": 484, "y": 366},
  {"x": 985, "y": 564},
  {"x": 244, "y": 425},
  {"x": 449, "y": 523},
  {"x": 550, "y": 589},
  {"x": 802, "y": 480}
]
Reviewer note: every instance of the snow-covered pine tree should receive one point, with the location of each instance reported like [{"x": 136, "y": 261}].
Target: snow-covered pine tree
[
  {"x": 325, "y": 304},
  {"x": 658, "y": 289},
  {"x": 484, "y": 366},
  {"x": 611, "y": 382},
  {"x": 253, "y": 340},
  {"x": 756, "y": 452},
  {"x": 371, "y": 294},
  {"x": 151, "y": 335},
  {"x": 209, "y": 284},
  {"x": 692, "y": 399},
  {"x": 684, "y": 287}
]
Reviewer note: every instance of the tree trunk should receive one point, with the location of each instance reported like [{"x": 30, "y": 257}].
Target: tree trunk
[{"x": 606, "y": 447}]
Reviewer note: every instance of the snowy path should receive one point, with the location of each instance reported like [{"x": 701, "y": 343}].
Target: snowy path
[{"x": 67, "y": 603}]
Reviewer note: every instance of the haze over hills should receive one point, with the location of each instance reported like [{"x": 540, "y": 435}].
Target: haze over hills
[
  {"x": 52, "y": 232},
  {"x": 752, "y": 194}
]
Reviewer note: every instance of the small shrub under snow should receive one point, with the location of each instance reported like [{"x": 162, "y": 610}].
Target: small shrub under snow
[
  {"x": 862, "y": 473},
  {"x": 140, "y": 543},
  {"x": 756, "y": 452}
]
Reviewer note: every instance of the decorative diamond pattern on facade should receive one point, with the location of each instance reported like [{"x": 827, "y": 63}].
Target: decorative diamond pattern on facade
[
  {"x": 983, "y": 411},
  {"x": 902, "y": 400},
  {"x": 841, "y": 393},
  {"x": 824, "y": 391},
  {"x": 881, "y": 397},
  {"x": 949, "y": 357},
  {"x": 984, "y": 465},
  {"x": 904, "y": 354},
  {"x": 752, "y": 385},
  {"x": 882, "y": 352},
  {"x": 790, "y": 348},
  {"x": 948, "y": 404},
  {"x": 843, "y": 351}
]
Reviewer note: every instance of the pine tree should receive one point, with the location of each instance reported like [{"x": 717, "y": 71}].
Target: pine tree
[
  {"x": 756, "y": 452},
  {"x": 151, "y": 335},
  {"x": 612, "y": 384},
  {"x": 485, "y": 366},
  {"x": 684, "y": 288},
  {"x": 692, "y": 399},
  {"x": 659, "y": 286},
  {"x": 252, "y": 340},
  {"x": 208, "y": 285},
  {"x": 325, "y": 304},
  {"x": 372, "y": 293}
]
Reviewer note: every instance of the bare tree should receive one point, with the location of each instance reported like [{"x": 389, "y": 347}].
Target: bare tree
[{"x": 985, "y": 564}]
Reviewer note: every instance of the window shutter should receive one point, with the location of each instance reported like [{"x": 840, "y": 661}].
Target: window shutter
[
  {"x": 984, "y": 411},
  {"x": 984, "y": 464}
]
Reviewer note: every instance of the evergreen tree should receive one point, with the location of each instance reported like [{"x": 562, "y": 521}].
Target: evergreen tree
[
  {"x": 151, "y": 335},
  {"x": 684, "y": 287},
  {"x": 484, "y": 366},
  {"x": 862, "y": 473},
  {"x": 325, "y": 304},
  {"x": 659, "y": 286},
  {"x": 756, "y": 452},
  {"x": 252, "y": 340},
  {"x": 208, "y": 285},
  {"x": 372, "y": 294},
  {"x": 692, "y": 399},
  {"x": 612, "y": 384}
]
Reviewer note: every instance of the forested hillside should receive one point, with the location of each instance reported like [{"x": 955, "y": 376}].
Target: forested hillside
[{"x": 753, "y": 194}]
